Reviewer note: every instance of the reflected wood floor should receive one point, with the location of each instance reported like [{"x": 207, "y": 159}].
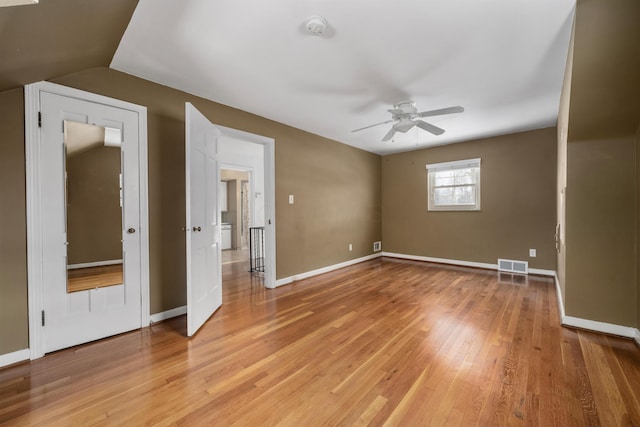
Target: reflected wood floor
[
  {"x": 82, "y": 279},
  {"x": 385, "y": 342}
]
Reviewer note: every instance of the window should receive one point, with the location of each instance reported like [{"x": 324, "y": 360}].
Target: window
[{"x": 454, "y": 186}]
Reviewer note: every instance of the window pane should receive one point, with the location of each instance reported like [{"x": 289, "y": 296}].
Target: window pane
[
  {"x": 449, "y": 196},
  {"x": 454, "y": 177},
  {"x": 454, "y": 185},
  {"x": 464, "y": 176},
  {"x": 444, "y": 178}
]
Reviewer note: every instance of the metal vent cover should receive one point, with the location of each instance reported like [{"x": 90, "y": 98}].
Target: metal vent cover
[{"x": 513, "y": 266}]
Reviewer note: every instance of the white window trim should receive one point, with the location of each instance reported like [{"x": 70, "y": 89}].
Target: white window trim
[{"x": 457, "y": 164}]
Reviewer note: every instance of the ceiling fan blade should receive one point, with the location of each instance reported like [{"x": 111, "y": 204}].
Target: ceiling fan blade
[
  {"x": 370, "y": 126},
  {"x": 389, "y": 134},
  {"x": 449, "y": 110},
  {"x": 429, "y": 127},
  {"x": 405, "y": 126}
]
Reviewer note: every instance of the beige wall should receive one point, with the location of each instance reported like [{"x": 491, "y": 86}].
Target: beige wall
[
  {"x": 638, "y": 226},
  {"x": 13, "y": 235},
  {"x": 330, "y": 179},
  {"x": 518, "y": 202},
  {"x": 59, "y": 37},
  {"x": 337, "y": 191},
  {"x": 601, "y": 259},
  {"x": 601, "y": 280},
  {"x": 94, "y": 217}
]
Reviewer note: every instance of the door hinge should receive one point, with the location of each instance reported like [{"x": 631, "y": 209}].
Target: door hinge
[
  {"x": 39, "y": 119},
  {"x": 42, "y": 317}
]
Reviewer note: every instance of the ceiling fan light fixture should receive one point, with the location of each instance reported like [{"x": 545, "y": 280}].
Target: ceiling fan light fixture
[
  {"x": 405, "y": 116},
  {"x": 316, "y": 25}
]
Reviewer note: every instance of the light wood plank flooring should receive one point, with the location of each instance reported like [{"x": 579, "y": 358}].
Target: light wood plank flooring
[
  {"x": 82, "y": 279},
  {"x": 385, "y": 342}
]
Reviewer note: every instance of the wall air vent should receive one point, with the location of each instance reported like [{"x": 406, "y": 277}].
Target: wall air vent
[{"x": 511, "y": 266}]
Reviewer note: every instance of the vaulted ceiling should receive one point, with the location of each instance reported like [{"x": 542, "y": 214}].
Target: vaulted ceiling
[
  {"x": 58, "y": 37},
  {"x": 503, "y": 61}
]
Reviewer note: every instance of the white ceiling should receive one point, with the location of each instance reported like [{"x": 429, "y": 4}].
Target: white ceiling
[{"x": 503, "y": 60}]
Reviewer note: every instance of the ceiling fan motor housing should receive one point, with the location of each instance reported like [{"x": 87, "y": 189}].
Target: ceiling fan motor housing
[{"x": 404, "y": 110}]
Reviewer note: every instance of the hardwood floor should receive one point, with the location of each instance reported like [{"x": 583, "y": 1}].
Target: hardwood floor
[
  {"x": 82, "y": 279},
  {"x": 385, "y": 342}
]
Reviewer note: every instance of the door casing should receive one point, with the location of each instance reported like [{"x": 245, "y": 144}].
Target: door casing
[
  {"x": 270, "y": 196},
  {"x": 34, "y": 209}
]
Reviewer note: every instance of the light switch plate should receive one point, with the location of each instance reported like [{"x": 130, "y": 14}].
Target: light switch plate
[
  {"x": 290, "y": 199},
  {"x": 532, "y": 253}
]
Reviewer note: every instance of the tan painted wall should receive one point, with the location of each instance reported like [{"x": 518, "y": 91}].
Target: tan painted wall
[
  {"x": 59, "y": 37},
  {"x": 330, "y": 179},
  {"x": 601, "y": 262},
  {"x": 601, "y": 259},
  {"x": 337, "y": 191},
  {"x": 94, "y": 217},
  {"x": 518, "y": 202},
  {"x": 638, "y": 226},
  {"x": 605, "y": 82},
  {"x": 13, "y": 234}
]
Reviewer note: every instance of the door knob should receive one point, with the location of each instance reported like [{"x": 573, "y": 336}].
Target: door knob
[
  {"x": 197, "y": 229},
  {"x": 131, "y": 230}
]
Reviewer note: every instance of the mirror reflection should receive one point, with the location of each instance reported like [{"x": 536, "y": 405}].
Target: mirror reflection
[{"x": 93, "y": 188}]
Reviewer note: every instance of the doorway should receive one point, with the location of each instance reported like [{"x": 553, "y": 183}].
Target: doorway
[
  {"x": 86, "y": 217},
  {"x": 237, "y": 215},
  {"x": 255, "y": 155}
]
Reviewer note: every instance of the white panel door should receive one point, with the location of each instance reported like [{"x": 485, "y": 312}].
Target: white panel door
[
  {"x": 204, "y": 263},
  {"x": 72, "y": 318}
]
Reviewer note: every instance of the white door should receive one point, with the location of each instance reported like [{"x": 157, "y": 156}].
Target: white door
[
  {"x": 71, "y": 318},
  {"x": 204, "y": 269}
]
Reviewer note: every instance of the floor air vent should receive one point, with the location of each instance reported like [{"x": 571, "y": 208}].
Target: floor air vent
[{"x": 511, "y": 266}]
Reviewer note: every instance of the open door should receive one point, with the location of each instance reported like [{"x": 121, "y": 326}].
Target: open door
[{"x": 204, "y": 270}]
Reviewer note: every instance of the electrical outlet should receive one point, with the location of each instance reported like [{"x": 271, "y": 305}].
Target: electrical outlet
[
  {"x": 532, "y": 253},
  {"x": 377, "y": 246},
  {"x": 350, "y": 247}
]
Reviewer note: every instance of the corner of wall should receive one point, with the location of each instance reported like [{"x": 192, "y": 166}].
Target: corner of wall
[{"x": 638, "y": 231}]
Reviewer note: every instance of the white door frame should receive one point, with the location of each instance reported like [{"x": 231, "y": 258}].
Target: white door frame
[
  {"x": 34, "y": 207},
  {"x": 269, "y": 199}
]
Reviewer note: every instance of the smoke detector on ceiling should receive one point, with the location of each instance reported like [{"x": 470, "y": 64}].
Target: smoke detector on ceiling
[{"x": 315, "y": 25}]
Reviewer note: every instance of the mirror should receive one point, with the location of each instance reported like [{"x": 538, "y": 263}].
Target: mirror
[{"x": 93, "y": 191}]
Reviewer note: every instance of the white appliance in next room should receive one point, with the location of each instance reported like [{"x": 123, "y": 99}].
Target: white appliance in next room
[{"x": 226, "y": 229}]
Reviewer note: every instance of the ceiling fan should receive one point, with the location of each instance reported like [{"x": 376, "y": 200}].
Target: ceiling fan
[{"x": 405, "y": 117}]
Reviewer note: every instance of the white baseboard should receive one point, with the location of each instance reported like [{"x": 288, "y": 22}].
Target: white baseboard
[
  {"x": 559, "y": 297},
  {"x": 542, "y": 272},
  {"x": 462, "y": 263},
  {"x": 291, "y": 279},
  {"x": 15, "y": 357},
  {"x": 174, "y": 312},
  {"x": 94, "y": 264},
  {"x": 593, "y": 325},
  {"x": 605, "y": 328}
]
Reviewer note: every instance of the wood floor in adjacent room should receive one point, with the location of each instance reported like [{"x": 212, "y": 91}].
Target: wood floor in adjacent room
[{"x": 385, "y": 342}]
